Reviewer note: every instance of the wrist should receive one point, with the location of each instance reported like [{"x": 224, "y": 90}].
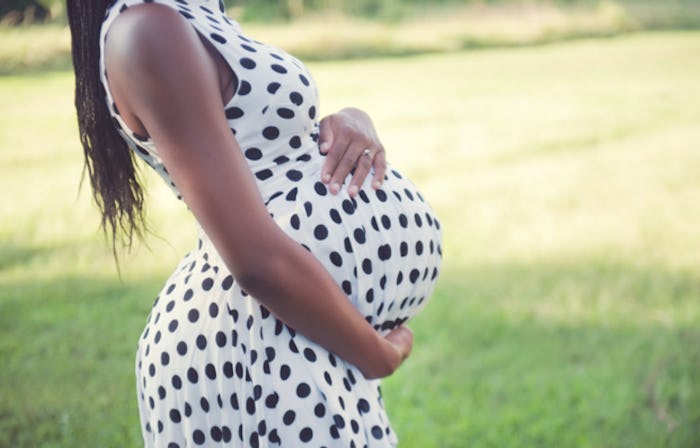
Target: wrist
[{"x": 382, "y": 360}]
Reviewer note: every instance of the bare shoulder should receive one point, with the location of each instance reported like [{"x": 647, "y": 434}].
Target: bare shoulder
[
  {"x": 156, "y": 63},
  {"x": 148, "y": 35}
]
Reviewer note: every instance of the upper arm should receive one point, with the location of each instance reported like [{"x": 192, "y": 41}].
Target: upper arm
[{"x": 165, "y": 75}]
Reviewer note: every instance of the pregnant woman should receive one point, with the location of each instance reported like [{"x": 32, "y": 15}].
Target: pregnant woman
[{"x": 275, "y": 329}]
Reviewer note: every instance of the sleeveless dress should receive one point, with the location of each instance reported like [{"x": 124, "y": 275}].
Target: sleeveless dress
[{"x": 214, "y": 367}]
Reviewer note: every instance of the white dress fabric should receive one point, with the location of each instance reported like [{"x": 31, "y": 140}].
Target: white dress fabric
[{"x": 214, "y": 367}]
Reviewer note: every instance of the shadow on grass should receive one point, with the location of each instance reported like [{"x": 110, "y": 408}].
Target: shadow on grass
[
  {"x": 519, "y": 355},
  {"x": 67, "y": 347}
]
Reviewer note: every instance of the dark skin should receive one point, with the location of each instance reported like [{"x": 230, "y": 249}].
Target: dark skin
[{"x": 181, "y": 110}]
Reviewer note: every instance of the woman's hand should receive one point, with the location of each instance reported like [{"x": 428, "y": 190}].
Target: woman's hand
[
  {"x": 349, "y": 140},
  {"x": 397, "y": 346}
]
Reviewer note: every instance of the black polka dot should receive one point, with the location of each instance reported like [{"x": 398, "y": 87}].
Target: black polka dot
[
  {"x": 285, "y": 113},
  {"x": 233, "y": 113},
  {"x": 335, "y": 216},
  {"x": 339, "y": 421},
  {"x": 294, "y": 175},
  {"x": 310, "y": 355},
  {"x": 285, "y": 371},
  {"x": 348, "y": 207},
  {"x": 386, "y": 222},
  {"x": 210, "y": 371},
  {"x": 303, "y": 390},
  {"x": 219, "y": 38},
  {"x": 363, "y": 406},
  {"x": 295, "y": 142},
  {"x": 320, "y": 189},
  {"x": 278, "y": 68},
  {"x": 367, "y": 266},
  {"x": 244, "y": 88},
  {"x": 384, "y": 252},
  {"x": 294, "y": 221},
  {"x": 273, "y": 87},
  {"x": 198, "y": 437},
  {"x": 253, "y": 154},
  {"x": 201, "y": 342},
  {"x": 377, "y": 432},
  {"x": 320, "y": 232},
  {"x": 359, "y": 235},
  {"x": 192, "y": 375},
  {"x": 306, "y": 434},
  {"x": 271, "y": 132},
  {"x": 272, "y": 400},
  {"x": 419, "y": 220},
  {"x": 248, "y": 63},
  {"x": 264, "y": 174},
  {"x": 336, "y": 259},
  {"x": 289, "y": 417},
  {"x": 296, "y": 98},
  {"x": 247, "y": 47}
]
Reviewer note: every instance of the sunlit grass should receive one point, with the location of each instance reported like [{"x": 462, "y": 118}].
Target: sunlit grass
[{"x": 566, "y": 180}]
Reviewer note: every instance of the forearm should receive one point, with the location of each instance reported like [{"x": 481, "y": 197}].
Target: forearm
[{"x": 299, "y": 291}]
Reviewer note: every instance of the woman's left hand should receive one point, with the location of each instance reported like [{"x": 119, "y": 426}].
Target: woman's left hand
[{"x": 349, "y": 140}]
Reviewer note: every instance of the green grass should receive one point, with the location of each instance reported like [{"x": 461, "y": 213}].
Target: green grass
[{"x": 568, "y": 312}]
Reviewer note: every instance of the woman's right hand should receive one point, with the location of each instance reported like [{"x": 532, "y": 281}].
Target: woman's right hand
[{"x": 397, "y": 346}]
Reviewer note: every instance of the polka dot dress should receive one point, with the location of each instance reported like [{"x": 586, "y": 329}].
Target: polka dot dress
[{"x": 214, "y": 367}]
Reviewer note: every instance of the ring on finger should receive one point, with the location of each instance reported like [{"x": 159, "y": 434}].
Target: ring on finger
[{"x": 367, "y": 153}]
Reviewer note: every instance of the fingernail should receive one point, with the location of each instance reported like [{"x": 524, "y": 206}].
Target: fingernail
[
  {"x": 326, "y": 177},
  {"x": 377, "y": 185},
  {"x": 352, "y": 190},
  {"x": 335, "y": 188},
  {"x": 324, "y": 147}
]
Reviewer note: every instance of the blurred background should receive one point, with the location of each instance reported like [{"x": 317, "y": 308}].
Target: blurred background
[{"x": 559, "y": 142}]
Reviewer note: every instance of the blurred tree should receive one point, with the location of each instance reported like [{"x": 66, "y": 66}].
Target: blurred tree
[
  {"x": 293, "y": 8},
  {"x": 16, "y": 12}
]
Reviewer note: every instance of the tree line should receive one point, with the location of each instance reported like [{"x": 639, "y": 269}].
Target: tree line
[{"x": 16, "y": 12}]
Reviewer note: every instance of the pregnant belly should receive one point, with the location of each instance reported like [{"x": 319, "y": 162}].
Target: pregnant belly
[{"x": 382, "y": 247}]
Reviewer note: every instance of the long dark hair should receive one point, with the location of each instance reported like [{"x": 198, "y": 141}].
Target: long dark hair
[{"x": 108, "y": 160}]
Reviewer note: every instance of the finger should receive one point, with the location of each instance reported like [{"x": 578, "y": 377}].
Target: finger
[
  {"x": 325, "y": 135},
  {"x": 379, "y": 164},
  {"x": 345, "y": 165},
  {"x": 334, "y": 155},
  {"x": 362, "y": 167}
]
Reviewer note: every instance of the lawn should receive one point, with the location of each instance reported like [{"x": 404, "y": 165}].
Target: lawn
[{"x": 568, "y": 313}]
